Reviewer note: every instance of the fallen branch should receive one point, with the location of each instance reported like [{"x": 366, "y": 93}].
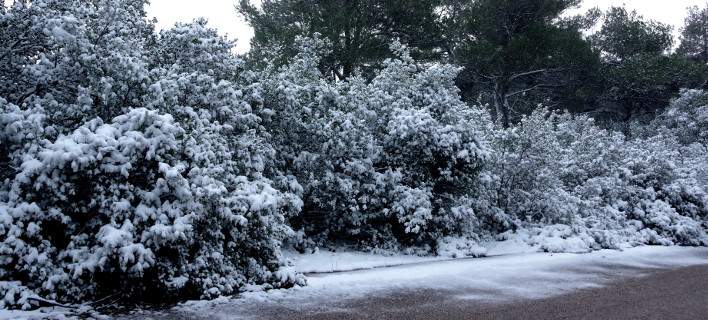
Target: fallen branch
[{"x": 49, "y": 303}]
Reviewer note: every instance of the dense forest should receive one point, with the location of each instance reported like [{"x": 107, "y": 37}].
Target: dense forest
[{"x": 161, "y": 166}]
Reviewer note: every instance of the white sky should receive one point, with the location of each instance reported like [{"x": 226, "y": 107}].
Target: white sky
[
  {"x": 667, "y": 11},
  {"x": 223, "y": 16}
]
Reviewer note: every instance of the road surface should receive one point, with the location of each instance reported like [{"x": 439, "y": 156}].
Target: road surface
[
  {"x": 666, "y": 284},
  {"x": 668, "y": 294}
]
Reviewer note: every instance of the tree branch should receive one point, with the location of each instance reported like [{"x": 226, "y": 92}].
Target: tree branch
[
  {"x": 530, "y": 73},
  {"x": 538, "y": 86},
  {"x": 45, "y": 302},
  {"x": 17, "y": 42}
]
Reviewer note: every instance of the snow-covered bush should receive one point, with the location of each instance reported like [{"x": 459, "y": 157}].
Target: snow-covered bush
[
  {"x": 687, "y": 117},
  {"x": 558, "y": 168},
  {"x": 383, "y": 162},
  {"x": 194, "y": 47},
  {"x": 398, "y": 160},
  {"x": 133, "y": 164},
  {"x": 649, "y": 197},
  {"x": 522, "y": 180}
]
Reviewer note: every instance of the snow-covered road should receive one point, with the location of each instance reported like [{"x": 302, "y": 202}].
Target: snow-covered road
[{"x": 475, "y": 282}]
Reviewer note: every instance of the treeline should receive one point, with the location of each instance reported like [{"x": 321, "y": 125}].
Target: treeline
[
  {"x": 153, "y": 167},
  {"x": 517, "y": 54}
]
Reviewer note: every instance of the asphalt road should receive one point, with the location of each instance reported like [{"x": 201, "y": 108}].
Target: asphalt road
[
  {"x": 668, "y": 294},
  {"x": 615, "y": 291},
  {"x": 675, "y": 294}
]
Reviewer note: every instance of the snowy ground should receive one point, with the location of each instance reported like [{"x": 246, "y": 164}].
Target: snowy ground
[
  {"x": 340, "y": 261},
  {"x": 488, "y": 280},
  {"x": 324, "y": 261}
]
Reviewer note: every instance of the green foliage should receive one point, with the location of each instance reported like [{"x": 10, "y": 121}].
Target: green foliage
[
  {"x": 643, "y": 84},
  {"x": 639, "y": 74},
  {"x": 694, "y": 35},
  {"x": 518, "y": 54},
  {"x": 625, "y": 34},
  {"x": 358, "y": 31}
]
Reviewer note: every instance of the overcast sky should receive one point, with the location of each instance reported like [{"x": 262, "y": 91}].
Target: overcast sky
[{"x": 222, "y": 15}]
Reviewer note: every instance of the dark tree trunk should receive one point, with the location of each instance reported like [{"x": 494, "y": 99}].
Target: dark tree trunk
[{"x": 501, "y": 104}]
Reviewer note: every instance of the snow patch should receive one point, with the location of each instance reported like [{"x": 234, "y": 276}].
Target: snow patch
[{"x": 341, "y": 260}]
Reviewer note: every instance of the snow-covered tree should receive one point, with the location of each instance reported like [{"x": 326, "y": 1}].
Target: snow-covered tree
[
  {"x": 382, "y": 163},
  {"x": 135, "y": 163}
]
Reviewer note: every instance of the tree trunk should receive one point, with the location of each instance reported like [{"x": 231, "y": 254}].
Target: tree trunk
[
  {"x": 704, "y": 54},
  {"x": 501, "y": 105},
  {"x": 347, "y": 65}
]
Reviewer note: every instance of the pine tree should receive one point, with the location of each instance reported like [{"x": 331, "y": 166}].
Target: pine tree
[
  {"x": 514, "y": 51},
  {"x": 358, "y": 31},
  {"x": 694, "y": 35}
]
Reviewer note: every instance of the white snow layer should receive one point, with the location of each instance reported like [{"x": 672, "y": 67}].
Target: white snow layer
[
  {"x": 523, "y": 242},
  {"x": 341, "y": 260}
]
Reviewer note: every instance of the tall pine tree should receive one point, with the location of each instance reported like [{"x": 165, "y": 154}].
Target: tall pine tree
[{"x": 359, "y": 31}]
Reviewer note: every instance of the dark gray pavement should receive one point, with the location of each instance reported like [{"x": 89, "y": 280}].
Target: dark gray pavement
[
  {"x": 667, "y": 294},
  {"x": 587, "y": 287}
]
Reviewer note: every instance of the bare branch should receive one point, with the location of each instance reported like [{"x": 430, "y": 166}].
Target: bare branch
[
  {"x": 530, "y": 73},
  {"x": 45, "y": 302},
  {"x": 523, "y": 91},
  {"x": 538, "y": 86}
]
